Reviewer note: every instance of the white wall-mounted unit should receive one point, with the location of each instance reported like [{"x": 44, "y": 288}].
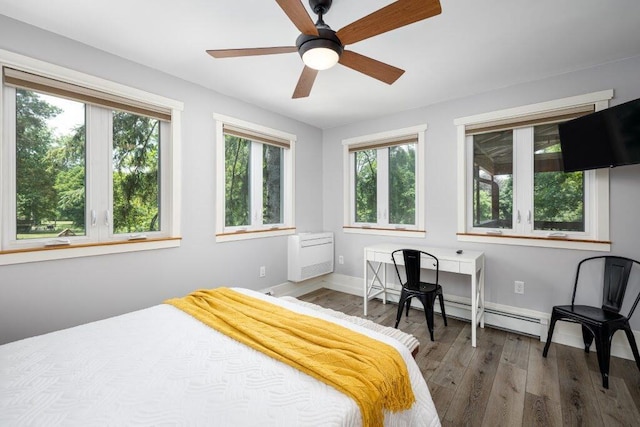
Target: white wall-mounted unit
[{"x": 310, "y": 255}]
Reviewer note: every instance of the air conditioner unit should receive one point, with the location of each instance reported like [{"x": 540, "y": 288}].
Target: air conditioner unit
[{"x": 310, "y": 255}]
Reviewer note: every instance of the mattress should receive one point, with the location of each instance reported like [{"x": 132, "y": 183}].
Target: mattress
[{"x": 160, "y": 366}]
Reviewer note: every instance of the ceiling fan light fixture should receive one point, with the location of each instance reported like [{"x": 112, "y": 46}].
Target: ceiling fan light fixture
[{"x": 320, "y": 58}]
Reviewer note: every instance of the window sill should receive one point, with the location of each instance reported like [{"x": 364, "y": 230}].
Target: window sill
[
  {"x": 21, "y": 256},
  {"x": 384, "y": 231},
  {"x": 253, "y": 234},
  {"x": 544, "y": 242}
]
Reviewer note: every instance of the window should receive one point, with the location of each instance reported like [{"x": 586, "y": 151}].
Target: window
[
  {"x": 383, "y": 175},
  {"x": 512, "y": 187},
  {"x": 255, "y": 180},
  {"x": 87, "y": 165}
]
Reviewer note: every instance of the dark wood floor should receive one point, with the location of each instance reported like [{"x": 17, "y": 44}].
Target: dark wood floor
[{"x": 505, "y": 381}]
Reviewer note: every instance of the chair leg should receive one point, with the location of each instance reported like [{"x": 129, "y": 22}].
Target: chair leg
[
  {"x": 603, "y": 347},
  {"x": 587, "y": 337},
  {"x": 632, "y": 342},
  {"x": 427, "y": 302},
  {"x": 403, "y": 299},
  {"x": 444, "y": 315},
  {"x": 408, "y": 303},
  {"x": 552, "y": 324}
]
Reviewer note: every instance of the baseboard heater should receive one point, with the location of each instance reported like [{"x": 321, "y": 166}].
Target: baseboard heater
[
  {"x": 501, "y": 319},
  {"x": 309, "y": 255}
]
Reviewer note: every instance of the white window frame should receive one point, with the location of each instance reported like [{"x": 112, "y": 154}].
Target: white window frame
[
  {"x": 596, "y": 235},
  {"x": 99, "y": 240},
  {"x": 382, "y": 226},
  {"x": 257, "y": 229}
]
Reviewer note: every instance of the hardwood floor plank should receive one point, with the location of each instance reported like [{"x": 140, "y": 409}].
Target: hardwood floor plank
[
  {"x": 516, "y": 350},
  {"x": 442, "y": 397},
  {"x": 577, "y": 395},
  {"x": 628, "y": 370},
  {"x": 354, "y": 310},
  {"x": 375, "y": 309},
  {"x": 472, "y": 393},
  {"x": 506, "y": 400},
  {"x": 456, "y": 361},
  {"x": 432, "y": 353},
  {"x": 542, "y": 378},
  {"x": 616, "y": 404},
  {"x": 541, "y": 411}
]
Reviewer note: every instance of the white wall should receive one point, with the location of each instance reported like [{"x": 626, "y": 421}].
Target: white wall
[
  {"x": 547, "y": 273},
  {"x": 45, "y": 296}
]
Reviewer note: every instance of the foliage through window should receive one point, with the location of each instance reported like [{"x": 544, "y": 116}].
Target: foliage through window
[
  {"x": 82, "y": 172},
  {"x": 515, "y": 184},
  {"x": 272, "y": 163},
  {"x": 257, "y": 180},
  {"x": 402, "y": 184},
  {"x": 50, "y": 166},
  {"x": 366, "y": 185},
  {"x": 237, "y": 155},
  {"x": 383, "y": 182},
  {"x": 51, "y": 169},
  {"x": 136, "y": 185},
  {"x": 558, "y": 197}
]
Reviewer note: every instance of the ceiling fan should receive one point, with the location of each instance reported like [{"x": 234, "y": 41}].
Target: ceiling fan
[{"x": 321, "y": 48}]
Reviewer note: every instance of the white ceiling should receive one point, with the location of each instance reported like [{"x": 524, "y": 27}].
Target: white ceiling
[{"x": 473, "y": 46}]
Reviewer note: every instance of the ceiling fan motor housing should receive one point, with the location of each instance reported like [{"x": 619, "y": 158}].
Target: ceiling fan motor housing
[{"x": 326, "y": 38}]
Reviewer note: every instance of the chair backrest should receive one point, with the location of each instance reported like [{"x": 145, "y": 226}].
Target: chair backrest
[
  {"x": 614, "y": 282},
  {"x": 412, "y": 266}
]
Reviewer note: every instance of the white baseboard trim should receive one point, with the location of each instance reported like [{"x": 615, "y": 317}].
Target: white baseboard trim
[{"x": 521, "y": 320}]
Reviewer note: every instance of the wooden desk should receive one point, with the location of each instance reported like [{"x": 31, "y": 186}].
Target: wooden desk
[{"x": 470, "y": 263}]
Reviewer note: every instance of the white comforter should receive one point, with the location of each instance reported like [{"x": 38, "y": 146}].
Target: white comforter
[{"x": 160, "y": 366}]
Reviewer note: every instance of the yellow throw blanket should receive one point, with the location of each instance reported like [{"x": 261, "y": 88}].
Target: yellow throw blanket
[{"x": 371, "y": 372}]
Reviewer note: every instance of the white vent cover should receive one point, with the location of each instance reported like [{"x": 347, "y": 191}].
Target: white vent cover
[{"x": 310, "y": 255}]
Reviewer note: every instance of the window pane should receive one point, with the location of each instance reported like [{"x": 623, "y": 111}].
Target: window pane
[
  {"x": 136, "y": 186},
  {"x": 366, "y": 186},
  {"x": 558, "y": 196},
  {"x": 237, "y": 190},
  {"x": 402, "y": 184},
  {"x": 272, "y": 158},
  {"x": 50, "y": 166},
  {"x": 493, "y": 180}
]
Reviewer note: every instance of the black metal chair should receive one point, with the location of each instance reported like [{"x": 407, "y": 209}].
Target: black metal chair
[
  {"x": 426, "y": 292},
  {"x": 601, "y": 323}
]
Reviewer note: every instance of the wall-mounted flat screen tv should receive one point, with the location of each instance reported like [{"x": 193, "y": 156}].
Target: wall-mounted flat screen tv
[{"x": 607, "y": 138}]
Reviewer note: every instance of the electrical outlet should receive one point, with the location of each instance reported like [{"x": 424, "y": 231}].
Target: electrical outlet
[
  {"x": 340, "y": 259},
  {"x": 263, "y": 271},
  {"x": 518, "y": 287}
]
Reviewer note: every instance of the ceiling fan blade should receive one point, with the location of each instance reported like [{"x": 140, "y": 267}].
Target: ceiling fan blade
[
  {"x": 305, "y": 83},
  {"x": 396, "y": 15},
  {"x": 371, "y": 67},
  {"x": 252, "y": 51},
  {"x": 299, "y": 16}
]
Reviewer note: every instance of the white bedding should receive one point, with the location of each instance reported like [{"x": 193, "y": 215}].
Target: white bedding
[{"x": 160, "y": 366}]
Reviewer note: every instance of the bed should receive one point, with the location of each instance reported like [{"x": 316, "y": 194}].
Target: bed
[{"x": 161, "y": 366}]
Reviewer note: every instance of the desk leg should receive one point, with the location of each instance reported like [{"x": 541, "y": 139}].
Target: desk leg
[
  {"x": 365, "y": 290},
  {"x": 378, "y": 283},
  {"x": 482, "y": 308},
  {"x": 474, "y": 306},
  {"x": 384, "y": 283}
]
